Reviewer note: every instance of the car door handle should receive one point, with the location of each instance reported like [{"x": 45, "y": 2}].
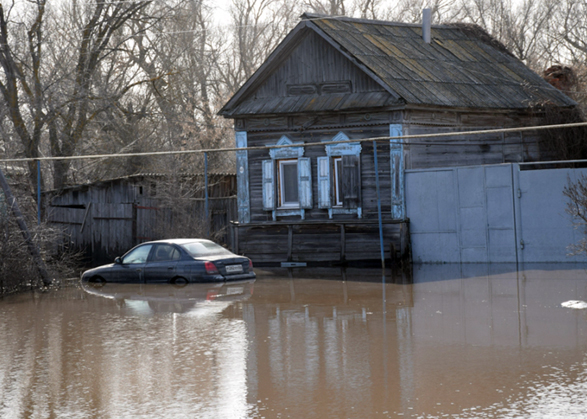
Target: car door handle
[
  {"x": 139, "y": 270},
  {"x": 170, "y": 268}
]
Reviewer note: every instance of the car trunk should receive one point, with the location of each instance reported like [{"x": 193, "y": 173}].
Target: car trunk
[{"x": 228, "y": 266}]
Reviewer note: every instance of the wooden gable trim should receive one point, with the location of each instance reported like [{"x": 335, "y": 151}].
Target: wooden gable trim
[
  {"x": 290, "y": 41},
  {"x": 293, "y": 39},
  {"x": 356, "y": 62}
]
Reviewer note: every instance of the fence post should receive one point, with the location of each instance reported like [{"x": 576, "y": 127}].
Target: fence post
[
  {"x": 206, "y": 194},
  {"x": 378, "y": 205}
]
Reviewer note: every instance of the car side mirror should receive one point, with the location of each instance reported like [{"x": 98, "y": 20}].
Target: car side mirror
[{"x": 117, "y": 260}]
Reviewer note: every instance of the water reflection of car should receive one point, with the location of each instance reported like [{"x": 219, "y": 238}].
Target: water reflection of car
[
  {"x": 197, "y": 299},
  {"x": 175, "y": 261}
]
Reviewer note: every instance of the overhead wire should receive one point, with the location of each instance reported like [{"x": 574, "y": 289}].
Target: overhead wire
[{"x": 401, "y": 141}]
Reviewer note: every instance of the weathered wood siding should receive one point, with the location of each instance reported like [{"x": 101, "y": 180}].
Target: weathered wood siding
[
  {"x": 314, "y": 62},
  {"x": 106, "y": 220},
  {"x": 470, "y": 150},
  {"x": 368, "y": 191},
  {"x": 319, "y": 242}
]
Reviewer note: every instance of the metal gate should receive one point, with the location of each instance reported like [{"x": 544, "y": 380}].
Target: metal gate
[{"x": 495, "y": 213}]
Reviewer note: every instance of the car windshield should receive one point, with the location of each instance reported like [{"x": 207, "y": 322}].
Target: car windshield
[
  {"x": 138, "y": 255},
  {"x": 203, "y": 249}
]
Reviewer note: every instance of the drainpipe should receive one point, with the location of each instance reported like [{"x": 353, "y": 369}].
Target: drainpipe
[{"x": 426, "y": 24}]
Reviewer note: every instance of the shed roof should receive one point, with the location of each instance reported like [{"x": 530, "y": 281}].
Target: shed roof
[
  {"x": 131, "y": 178},
  {"x": 461, "y": 67}
]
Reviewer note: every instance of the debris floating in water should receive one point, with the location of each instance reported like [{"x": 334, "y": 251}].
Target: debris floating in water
[{"x": 575, "y": 304}]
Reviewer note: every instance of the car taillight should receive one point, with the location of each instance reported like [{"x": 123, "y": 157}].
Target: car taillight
[
  {"x": 250, "y": 265},
  {"x": 211, "y": 269}
]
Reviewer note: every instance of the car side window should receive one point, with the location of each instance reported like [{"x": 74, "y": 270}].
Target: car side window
[
  {"x": 138, "y": 255},
  {"x": 164, "y": 252},
  {"x": 175, "y": 255}
]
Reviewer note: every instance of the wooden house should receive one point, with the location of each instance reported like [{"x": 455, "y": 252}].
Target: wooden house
[
  {"x": 106, "y": 218},
  {"x": 345, "y": 80}
]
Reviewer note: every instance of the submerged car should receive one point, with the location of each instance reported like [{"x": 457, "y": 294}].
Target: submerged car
[{"x": 175, "y": 261}]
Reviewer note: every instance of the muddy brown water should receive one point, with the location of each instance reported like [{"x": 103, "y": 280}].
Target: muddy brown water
[{"x": 448, "y": 341}]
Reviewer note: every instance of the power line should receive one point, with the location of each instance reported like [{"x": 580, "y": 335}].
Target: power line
[{"x": 361, "y": 140}]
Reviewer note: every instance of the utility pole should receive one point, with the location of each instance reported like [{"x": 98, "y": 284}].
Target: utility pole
[{"x": 33, "y": 249}]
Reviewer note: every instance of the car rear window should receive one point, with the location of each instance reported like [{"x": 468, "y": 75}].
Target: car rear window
[{"x": 203, "y": 249}]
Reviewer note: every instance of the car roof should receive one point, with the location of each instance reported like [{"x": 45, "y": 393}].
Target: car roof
[{"x": 179, "y": 241}]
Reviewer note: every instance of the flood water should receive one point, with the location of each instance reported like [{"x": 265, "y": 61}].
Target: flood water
[{"x": 480, "y": 341}]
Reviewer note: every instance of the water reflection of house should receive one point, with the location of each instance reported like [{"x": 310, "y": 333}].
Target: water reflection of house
[
  {"x": 342, "y": 79},
  {"x": 460, "y": 338},
  {"x": 318, "y": 335}
]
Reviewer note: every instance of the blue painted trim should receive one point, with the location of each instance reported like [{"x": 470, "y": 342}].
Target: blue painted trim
[
  {"x": 242, "y": 178},
  {"x": 347, "y": 211},
  {"x": 286, "y": 213},
  {"x": 268, "y": 184},
  {"x": 337, "y": 150},
  {"x": 305, "y": 182},
  {"x": 324, "y": 182},
  {"x": 342, "y": 149},
  {"x": 289, "y": 152},
  {"x": 396, "y": 158}
]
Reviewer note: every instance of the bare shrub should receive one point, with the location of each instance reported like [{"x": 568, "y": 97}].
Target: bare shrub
[
  {"x": 181, "y": 207},
  {"x": 18, "y": 271},
  {"x": 577, "y": 208},
  {"x": 562, "y": 144},
  {"x": 16, "y": 268}
]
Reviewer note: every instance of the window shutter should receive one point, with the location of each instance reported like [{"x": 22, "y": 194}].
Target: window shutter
[
  {"x": 351, "y": 182},
  {"x": 268, "y": 185},
  {"x": 305, "y": 182},
  {"x": 324, "y": 182}
]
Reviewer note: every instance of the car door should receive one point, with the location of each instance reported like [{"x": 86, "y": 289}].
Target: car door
[
  {"x": 162, "y": 263},
  {"x": 132, "y": 265}
]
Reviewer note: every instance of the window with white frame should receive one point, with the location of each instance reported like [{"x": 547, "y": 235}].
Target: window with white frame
[
  {"x": 287, "y": 180},
  {"x": 339, "y": 177},
  {"x": 288, "y": 183}
]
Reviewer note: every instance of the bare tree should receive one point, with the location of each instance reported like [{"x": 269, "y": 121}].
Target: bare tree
[
  {"x": 521, "y": 26},
  {"x": 44, "y": 101},
  {"x": 257, "y": 27},
  {"x": 410, "y": 11},
  {"x": 21, "y": 90},
  {"x": 570, "y": 24}
]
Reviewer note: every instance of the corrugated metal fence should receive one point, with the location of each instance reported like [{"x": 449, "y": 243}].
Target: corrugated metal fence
[{"x": 495, "y": 213}]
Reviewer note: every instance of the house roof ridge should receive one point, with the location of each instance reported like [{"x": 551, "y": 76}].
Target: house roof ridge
[{"x": 319, "y": 16}]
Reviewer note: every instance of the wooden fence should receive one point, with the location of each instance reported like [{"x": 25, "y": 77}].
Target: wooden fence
[{"x": 106, "y": 230}]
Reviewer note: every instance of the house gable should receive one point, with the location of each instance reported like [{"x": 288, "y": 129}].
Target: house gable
[
  {"x": 316, "y": 68},
  {"x": 312, "y": 76}
]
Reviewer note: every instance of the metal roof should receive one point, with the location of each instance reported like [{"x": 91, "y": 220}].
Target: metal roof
[{"x": 461, "y": 67}]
